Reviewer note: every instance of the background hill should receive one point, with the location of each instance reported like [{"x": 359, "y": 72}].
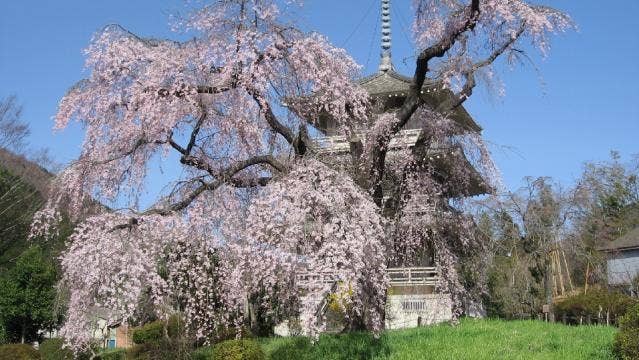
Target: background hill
[{"x": 23, "y": 190}]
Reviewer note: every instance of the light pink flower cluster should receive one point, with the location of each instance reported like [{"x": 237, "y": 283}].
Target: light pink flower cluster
[
  {"x": 498, "y": 21},
  {"x": 323, "y": 222}
]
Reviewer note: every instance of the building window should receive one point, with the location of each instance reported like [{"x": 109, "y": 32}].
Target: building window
[{"x": 413, "y": 305}]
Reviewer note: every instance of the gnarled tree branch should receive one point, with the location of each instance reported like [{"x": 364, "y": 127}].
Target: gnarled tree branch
[
  {"x": 224, "y": 176},
  {"x": 414, "y": 100}
]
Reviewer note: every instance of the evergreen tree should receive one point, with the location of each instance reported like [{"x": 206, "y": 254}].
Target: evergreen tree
[{"x": 27, "y": 296}]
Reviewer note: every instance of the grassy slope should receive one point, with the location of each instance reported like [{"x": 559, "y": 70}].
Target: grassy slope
[{"x": 472, "y": 339}]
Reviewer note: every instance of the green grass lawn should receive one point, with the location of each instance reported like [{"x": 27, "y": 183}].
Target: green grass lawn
[{"x": 472, "y": 339}]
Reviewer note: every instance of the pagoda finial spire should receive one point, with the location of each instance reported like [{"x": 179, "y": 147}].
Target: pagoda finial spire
[{"x": 385, "y": 63}]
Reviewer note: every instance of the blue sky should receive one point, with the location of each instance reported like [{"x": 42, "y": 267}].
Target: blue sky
[{"x": 580, "y": 103}]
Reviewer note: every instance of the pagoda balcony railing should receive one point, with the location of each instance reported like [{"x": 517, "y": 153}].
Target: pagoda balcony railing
[
  {"x": 409, "y": 276},
  {"x": 404, "y": 276},
  {"x": 306, "y": 279},
  {"x": 341, "y": 144}
]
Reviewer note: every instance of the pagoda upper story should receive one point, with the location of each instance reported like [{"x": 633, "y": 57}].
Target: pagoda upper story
[{"x": 388, "y": 90}]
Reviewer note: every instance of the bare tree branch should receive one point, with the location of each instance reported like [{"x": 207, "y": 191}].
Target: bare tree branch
[
  {"x": 271, "y": 119},
  {"x": 250, "y": 182},
  {"x": 222, "y": 177},
  {"x": 13, "y": 130},
  {"x": 467, "y": 90}
]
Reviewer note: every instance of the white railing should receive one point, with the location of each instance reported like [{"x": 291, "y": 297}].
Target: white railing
[
  {"x": 340, "y": 143},
  {"x": 413, "y": 276},
  {"x": 306, "y": 279},
  {"x": 406, "y": 276}
]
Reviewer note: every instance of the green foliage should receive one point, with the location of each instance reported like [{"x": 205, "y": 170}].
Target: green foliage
[
  {"x": 27, "y": 296},
  {"x": 294, "y": 348},
  {"x": 25, "y": 304},
  {"x": 242, "y": 349},
  {"x": 175, "y": 327},
  {"x": 52, "y": 349},
  {"x": 21, "y": 186},
  {"x": 155, "y": 330},
  {"x": 203, "y": 353},
  {"x": 230, "y": 333},
  {"x": 513, "y": 289},
  {"x": 18, "y": 352},
  {"x": 160, "y": 349},
  {"x": 149, "y": 332},
  {"x": 3, "y": 333},
  {"x": 595, "y": 304},
  {"x": 112, "y": 354},
  {"x": 470, "y": 340},
  {"x": 18, "y": 202},
  {"x": 626, "y": 345}
]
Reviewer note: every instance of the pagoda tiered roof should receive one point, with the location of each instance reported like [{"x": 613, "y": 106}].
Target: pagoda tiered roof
[{"x": 390, "y": 84}]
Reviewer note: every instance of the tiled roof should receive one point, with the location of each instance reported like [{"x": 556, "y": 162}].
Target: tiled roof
[
  {"x": 391, "y": 83},
  {"x": 628, "y": 241},
  {"x": 385, "y": 82}
]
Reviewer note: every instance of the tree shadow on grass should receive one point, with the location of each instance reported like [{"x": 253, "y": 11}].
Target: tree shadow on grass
[{"x": 352, "y": 346}]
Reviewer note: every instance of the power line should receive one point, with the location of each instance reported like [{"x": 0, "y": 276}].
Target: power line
[
  {"x": 370, "y": 48},
  {"x": 404, "y": 26},
  {"x": 359, "y": 23}
]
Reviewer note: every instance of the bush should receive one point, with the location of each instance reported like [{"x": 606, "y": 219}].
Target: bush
[
  {"x": 18, "y": 352},
  {"x": 626, "y": 345},
  {"x": 112, "y": 354},
  {"x": 231, "y": 333},
  {"x": 52, "y": 349},
  {"x": 203, "y": 353},
  {"x": 160, "y": 349},
  {"x": 594, "y": 305},
  {"x": 243, "y": 349},
  {"x": 153, "y": 331},
  {"x": 175, "y": 326}
]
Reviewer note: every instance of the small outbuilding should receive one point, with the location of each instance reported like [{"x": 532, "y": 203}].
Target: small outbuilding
[{"x": 622, "y": 262}]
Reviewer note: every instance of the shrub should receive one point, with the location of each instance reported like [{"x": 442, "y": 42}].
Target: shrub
[
  {"x": 52, "y": 349},
  {"x": 160, "y": 349},
  {"x": 175, "y": 326},
  {"x": 242, "y": 349},
  {"x": 231, "y": 333},
  {"x": 203, "y": 353},
  {"x": 595, "y": 304},
  {"x": 152, "y": 331},
  {"x": 112, "y": 354},
  {"x": 626, "y": 345},
  {"x": 18, "y": 352}
]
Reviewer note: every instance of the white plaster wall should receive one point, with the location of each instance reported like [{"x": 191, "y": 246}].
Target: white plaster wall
[
  {"x": 405, "y": 311},
  {"x": 402, "y": 311},
  {"x": 623, "y": 267}
]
